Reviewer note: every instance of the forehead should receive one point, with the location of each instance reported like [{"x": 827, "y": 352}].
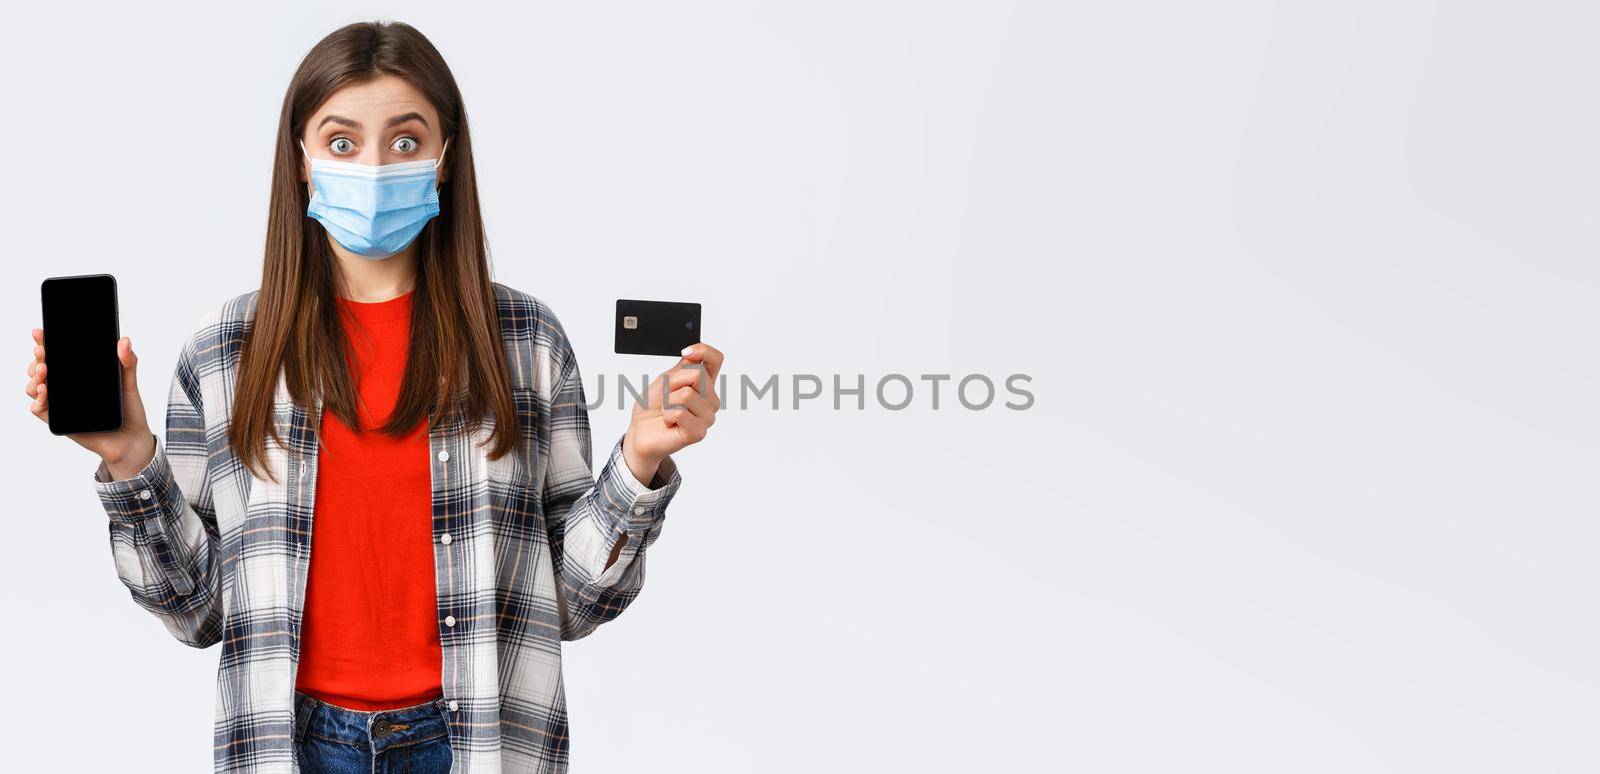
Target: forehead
[{"x": 374, "y": 101}]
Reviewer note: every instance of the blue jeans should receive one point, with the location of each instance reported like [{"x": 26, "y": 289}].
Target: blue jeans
[{"x": 330, "y": 739}]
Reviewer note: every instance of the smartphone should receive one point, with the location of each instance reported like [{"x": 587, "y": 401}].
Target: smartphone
[
  {"x": 656, "y": 327},
  {"x": 82, "y": 371}
]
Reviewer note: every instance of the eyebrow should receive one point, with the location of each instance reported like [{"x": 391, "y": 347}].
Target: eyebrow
[{"x": 397, "y": 120}]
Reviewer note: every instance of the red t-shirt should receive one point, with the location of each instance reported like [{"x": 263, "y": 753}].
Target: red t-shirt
[{"x": 370, "y": 631}]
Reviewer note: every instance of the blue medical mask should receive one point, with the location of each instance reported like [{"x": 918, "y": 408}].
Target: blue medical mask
[{"x": 374, "y": 211}]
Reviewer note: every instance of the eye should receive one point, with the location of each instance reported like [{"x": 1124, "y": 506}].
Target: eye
[
  {"x": 341, "y": 146},
  {"x": 405, "y": 144}
]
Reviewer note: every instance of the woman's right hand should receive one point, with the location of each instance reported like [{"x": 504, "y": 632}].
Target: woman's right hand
[{"x": 126, "y": 450}]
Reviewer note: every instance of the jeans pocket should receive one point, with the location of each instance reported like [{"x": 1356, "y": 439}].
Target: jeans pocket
[
  {"x": 322, "y": 756},
  {"x": 430, "y": 757}
]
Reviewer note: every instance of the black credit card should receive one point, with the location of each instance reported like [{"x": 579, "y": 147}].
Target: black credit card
[
  {"x": 656, "y": 327},
  {"x": 82, "y": 371}
]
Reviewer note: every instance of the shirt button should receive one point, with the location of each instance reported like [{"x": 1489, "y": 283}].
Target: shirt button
[
  {"x": 144, "y": 494},
  {"x": 445, "y": 538},
  {"x": 638, "y": 511},
  {"x": 444, "y": 456},
  {"x": 449, "y": 620},
  {"x": 454, "y": 706}
]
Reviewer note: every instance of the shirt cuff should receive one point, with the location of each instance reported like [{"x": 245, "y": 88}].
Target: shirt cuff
[
  {"x": 142, "y": 496},
  {"x": 636, "y": 506}
]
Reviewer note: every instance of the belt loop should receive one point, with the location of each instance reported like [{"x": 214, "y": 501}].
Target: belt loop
[{"x": 302, "y": 716}]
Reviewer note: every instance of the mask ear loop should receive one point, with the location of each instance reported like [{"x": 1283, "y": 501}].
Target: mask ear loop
[
  {"x": 305, "y": 153},
  {"x": 439, "y": 161}
]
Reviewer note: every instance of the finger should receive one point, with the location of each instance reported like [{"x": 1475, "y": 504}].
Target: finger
[
  {"x": 670, "y": 401},
  {"x": 704, "y": 353},
  {"x": 701, "y": 381},
  {"x": 671, "y": 381},
  {"x": 687, "y": 377},
  {"x": 691, "y": 427},
  {"x": 38, "y": 336},
  {"x": 698, "y": 404},
  {"x": 41, "y": 405},
  {"x": 680, "y": 416},
  {"x": 36, "y": 382},
  {"x": 130, "y": 365}
]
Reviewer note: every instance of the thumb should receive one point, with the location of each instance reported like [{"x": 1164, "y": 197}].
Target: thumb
[{"x": 130, "y": 363}]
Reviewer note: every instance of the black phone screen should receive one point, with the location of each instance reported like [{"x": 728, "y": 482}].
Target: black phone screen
[{"x": 83, "y": 377}]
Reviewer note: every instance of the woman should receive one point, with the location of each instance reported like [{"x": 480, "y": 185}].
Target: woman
[{"x": 428, "y": 421}]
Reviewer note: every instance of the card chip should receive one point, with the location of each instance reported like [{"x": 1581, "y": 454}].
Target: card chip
[{"x": 630, "y": 322}]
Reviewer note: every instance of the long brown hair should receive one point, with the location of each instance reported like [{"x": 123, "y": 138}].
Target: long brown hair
[{"x": 456, "y": 366}]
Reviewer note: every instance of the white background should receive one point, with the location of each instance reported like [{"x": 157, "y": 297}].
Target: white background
[{"x": 1307, "y": 293}]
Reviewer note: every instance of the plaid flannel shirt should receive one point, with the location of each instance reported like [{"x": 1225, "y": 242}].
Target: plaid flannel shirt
[{"x": 520, "y": 547}]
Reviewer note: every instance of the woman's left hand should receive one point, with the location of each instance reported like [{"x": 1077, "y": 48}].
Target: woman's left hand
[{"x": 657, "y": 431}]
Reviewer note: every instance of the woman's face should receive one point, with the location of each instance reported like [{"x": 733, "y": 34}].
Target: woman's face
[{"x": 382, "y": 121}]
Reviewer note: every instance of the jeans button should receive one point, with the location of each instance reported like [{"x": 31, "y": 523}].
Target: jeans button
[{"x": 380, "y": 728}]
